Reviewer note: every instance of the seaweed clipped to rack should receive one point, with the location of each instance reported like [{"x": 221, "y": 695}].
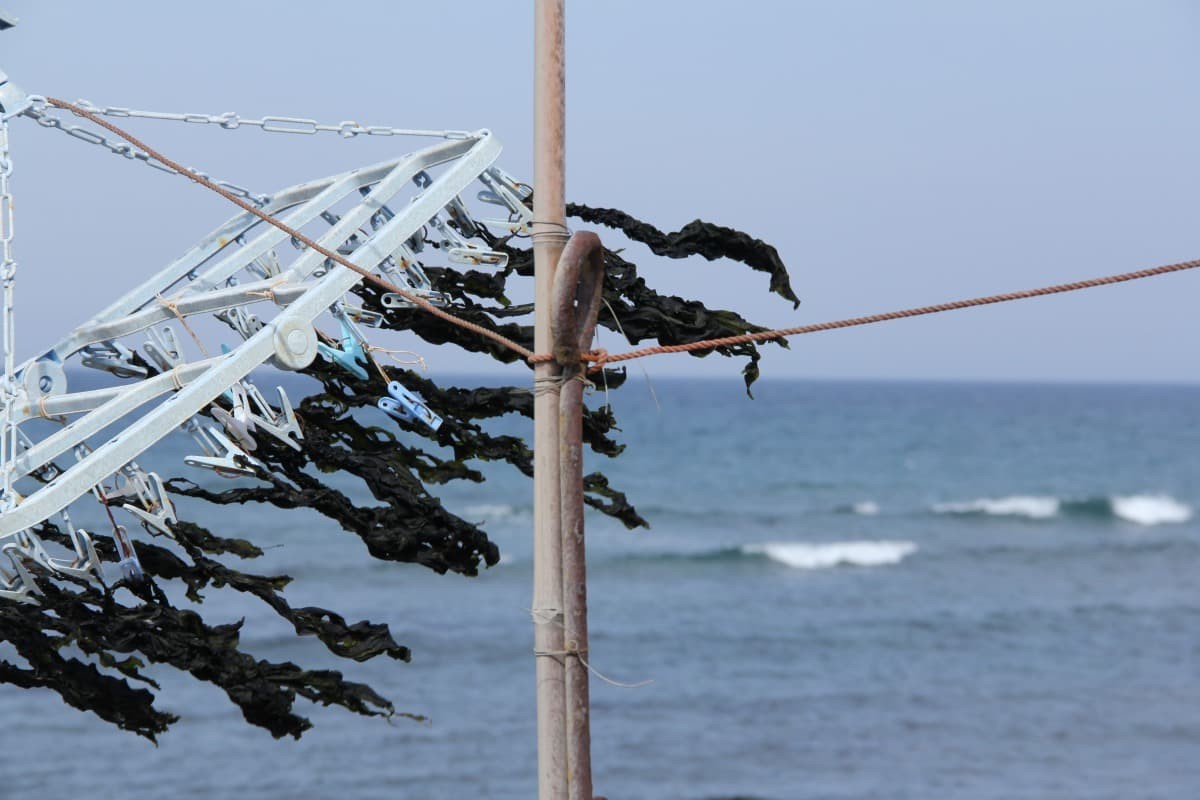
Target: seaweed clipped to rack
[{"x": 91, "y": 644}]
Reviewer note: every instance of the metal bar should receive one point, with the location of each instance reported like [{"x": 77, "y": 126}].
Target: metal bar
[
  {"x": 217, "y": 300},
  {"x": 222, "y": 236},
  {"x": 118, "y": 451},
  {"x": 332, "y": 191},
  {"x": 549, "y": 223},
  {"x": 106, "y": 406},
  {"x": 198, "y": 303}
]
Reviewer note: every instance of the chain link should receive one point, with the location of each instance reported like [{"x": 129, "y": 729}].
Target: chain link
[
  {"x": 46, "y": 120},
  {"x": 8, "y": 274},
  {"x": 230, "y": 120}
]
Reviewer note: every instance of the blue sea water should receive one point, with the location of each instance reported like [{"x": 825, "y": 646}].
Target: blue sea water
[{"x": 849, "y": 590}]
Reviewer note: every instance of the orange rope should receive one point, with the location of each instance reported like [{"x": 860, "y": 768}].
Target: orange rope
[{"x": 602, "y": 357}]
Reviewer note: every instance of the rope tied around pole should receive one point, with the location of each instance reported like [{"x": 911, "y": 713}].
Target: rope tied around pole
[{"x": 572, "y": 651}]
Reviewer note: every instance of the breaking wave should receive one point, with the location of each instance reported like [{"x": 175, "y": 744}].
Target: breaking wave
[
  {"x": 492, "y": 512},
  {"x": 811, "y": 555},
  {"x": 1150, "y": 509},
  {"x": 1018, "y": 506},
  {"x": 865, "y": 508},
  {"x": 1140, "y": 509}
]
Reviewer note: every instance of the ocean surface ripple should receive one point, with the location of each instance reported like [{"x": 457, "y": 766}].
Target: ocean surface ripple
[{"x": 849, "y": 590}]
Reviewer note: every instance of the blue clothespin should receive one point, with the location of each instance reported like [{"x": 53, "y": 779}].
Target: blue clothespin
[
  {"x": 128, "y": 564},
  {"x": 351, "y": 357},
  {"x": 408, "y": 407}
]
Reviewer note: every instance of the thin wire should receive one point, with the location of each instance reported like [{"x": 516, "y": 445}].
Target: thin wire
[
  {"x": 420, "y": 302},
  {"x": 645, "y": 373},
  {"x": 600, "y": 357}
]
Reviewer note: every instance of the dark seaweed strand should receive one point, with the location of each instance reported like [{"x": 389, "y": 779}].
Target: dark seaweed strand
[
  {"x": 696, "y": 238},
  {"x": 112, "y": 633}
]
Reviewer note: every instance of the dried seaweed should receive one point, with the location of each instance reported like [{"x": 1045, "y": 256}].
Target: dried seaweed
[
  {"x": 88, "y": 643},
  {"x": 697, "y": 238}
]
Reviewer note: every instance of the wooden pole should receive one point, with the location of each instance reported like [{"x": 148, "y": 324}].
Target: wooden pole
[{"x": 549, "y": 236}]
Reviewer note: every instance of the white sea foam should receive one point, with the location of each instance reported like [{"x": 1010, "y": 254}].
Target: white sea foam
[
  {"x": 1030, "y": 506},
  {"x": 806, "y": 555},
  {"x": 490, "y": 511},
  {"x": 1150, "y": 509},
  {"x": 1141, "y": 509},
  {"x": 867, "y": 508}
]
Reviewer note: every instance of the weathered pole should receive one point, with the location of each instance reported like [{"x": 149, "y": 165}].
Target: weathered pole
[
  {"x": 578, "y": 291},
  {"x": 549, "y": 236}
]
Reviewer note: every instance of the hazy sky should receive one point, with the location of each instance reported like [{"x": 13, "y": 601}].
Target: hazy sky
[{"x": 896, "y": 153}]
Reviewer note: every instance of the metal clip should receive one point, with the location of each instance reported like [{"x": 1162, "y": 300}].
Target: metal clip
[
  {"x": 372, "y": 319},
  {"x": 112, "y": 357},
  {"x": 208, "y": 445},
  {"x": 242, "y": 321},
  {"x": 503, "y": 190},
  {"x": 406, "y": 406},
  {"x": 163, "y": 348},
  {"x": 393, "y": 300},
  {"x": 458, "y": 249},
  {"x": 238, "y": 423},
  {"x": 282, "y": 425},
  {"x": 18, "y": 584},
  {"x": 232, "y": 461},
  {"x": 86, "y": 564},
  {"x": 152, "y": 506},
  {"x": 30, "y": 547},
  {"x": 266, "y": 265},
  {"x": 472, "y": 256},
  {"x": 158, "y": 511},
  {"x": 27, "y": 546}
]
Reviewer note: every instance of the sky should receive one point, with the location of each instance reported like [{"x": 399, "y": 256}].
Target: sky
[{"x": 896, "y": 154}]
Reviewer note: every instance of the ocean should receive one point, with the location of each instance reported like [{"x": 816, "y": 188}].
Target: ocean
[{"x": 849, "y": 590}]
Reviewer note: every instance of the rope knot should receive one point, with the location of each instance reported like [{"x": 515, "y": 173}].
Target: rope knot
[{"x": 600, "y": 356}]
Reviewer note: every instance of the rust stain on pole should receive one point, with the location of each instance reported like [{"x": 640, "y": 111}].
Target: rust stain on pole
[{"x": 578, "y": 287}]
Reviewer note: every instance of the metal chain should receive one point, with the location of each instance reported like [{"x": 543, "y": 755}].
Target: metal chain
[
  {"x": 8, "y": 274},
  {"x": 229, "y": 121},
  {"x": 38, "y": 113}
]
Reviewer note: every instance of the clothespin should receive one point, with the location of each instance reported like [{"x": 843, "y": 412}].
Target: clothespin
[
  {"x": 283, "y": 426},
  {"x": 17, "y": 585},
  {"x": 163, "y": 348},
  {"x": 351, "y": 357},
  {"x": 128, "y": 565},
  {"x": 407, "y": 406},
  {"x": 240, "y": 423},
  {"x": 112, "y": 357},
  {"x": 156, "y": 509},
  {"x": 86, "y": 564},
  {"x": 231, "y": 462}
]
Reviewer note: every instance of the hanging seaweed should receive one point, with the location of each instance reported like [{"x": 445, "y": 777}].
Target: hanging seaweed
[{"x": 91, "y": 644}]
